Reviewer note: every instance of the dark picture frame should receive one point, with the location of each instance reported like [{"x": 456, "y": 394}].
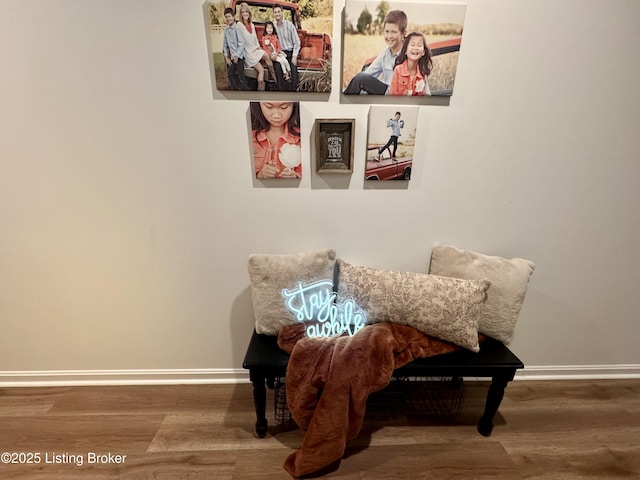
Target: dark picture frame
[{"x": 334, "y": 145}]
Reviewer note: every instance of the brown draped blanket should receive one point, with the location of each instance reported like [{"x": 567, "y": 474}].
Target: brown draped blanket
[{"x": 329, "y": 379}]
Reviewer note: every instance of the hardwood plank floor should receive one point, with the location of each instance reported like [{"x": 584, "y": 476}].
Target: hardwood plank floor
[{"x": 544, "y": 430}]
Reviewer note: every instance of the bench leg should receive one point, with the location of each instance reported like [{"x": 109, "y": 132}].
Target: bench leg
[
  {"x": 494, "y": 397},
  {"x": 260, "y": 402}
]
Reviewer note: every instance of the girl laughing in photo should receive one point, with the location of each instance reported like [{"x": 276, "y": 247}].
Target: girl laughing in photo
[{"x": 413, "y": 65}]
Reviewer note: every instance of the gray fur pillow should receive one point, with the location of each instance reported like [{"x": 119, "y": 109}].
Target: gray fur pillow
[
  {"x": 271, "y": 273},
  {"x": 446, "y": 308},
  {"x": 509, "y": 281}
]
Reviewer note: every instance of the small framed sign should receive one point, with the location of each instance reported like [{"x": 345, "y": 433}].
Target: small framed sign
[{"x": 334, "y": 145}]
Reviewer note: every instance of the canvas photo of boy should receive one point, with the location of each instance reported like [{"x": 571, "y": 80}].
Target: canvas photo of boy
[
  {"x": 392, "y": 135},
  {"x": 401, "y": 48}
]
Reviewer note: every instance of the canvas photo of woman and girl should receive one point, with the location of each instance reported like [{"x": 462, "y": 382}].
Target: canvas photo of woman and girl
[{"x": 403, "y": 49}]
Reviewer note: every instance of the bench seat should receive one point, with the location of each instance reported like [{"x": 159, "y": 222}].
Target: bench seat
[{"x": 266, "y": 362}]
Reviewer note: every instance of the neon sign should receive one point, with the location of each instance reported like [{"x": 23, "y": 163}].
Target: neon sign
[{"x": 316, "y": 301}]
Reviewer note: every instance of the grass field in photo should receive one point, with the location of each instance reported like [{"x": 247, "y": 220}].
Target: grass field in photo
[{"x": 358, "y": 48}]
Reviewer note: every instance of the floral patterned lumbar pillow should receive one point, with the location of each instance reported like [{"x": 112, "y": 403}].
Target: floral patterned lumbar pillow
[{"x": 443, "y": 307}]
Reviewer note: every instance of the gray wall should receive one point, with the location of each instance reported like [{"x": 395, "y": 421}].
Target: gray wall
[{"x": 128, "y": 208}]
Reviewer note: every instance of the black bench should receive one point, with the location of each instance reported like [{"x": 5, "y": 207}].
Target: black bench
[{"x": 266, "y": 362}]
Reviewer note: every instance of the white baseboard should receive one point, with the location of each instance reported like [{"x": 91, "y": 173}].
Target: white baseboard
[
  {"x": 61, "y": 378},
  {"x": 579, "y": 372}
]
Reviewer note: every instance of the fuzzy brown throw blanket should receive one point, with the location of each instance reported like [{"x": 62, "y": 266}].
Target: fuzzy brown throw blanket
[{"x": 328, "y": 381}]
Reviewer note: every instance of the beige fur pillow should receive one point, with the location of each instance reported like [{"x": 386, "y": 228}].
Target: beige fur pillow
[
  {"x": 271, "y": 273},
  {"x": 509, "y": 281},
  {"x": 447, "y": 308}
]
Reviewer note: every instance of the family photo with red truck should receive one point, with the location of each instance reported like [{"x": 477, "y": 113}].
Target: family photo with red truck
[{"x": 272, "y": 45}]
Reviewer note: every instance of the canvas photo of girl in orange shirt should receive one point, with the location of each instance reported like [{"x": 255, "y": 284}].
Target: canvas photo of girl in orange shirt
[{"x": 275, "y": 139}]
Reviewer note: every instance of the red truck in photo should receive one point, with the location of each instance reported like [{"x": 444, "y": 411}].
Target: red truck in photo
[
  {"x": 385, "y": 167},
  {"x": 314, "y": 59}
]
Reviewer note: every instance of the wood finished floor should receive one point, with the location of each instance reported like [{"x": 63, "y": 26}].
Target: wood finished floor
[{"x": 544, "y": 430}]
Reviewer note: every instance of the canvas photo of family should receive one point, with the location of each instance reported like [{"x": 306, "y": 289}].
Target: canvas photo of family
[
  {"x": 403, "y": 49},
  {"x": 271, "y": 45}
]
